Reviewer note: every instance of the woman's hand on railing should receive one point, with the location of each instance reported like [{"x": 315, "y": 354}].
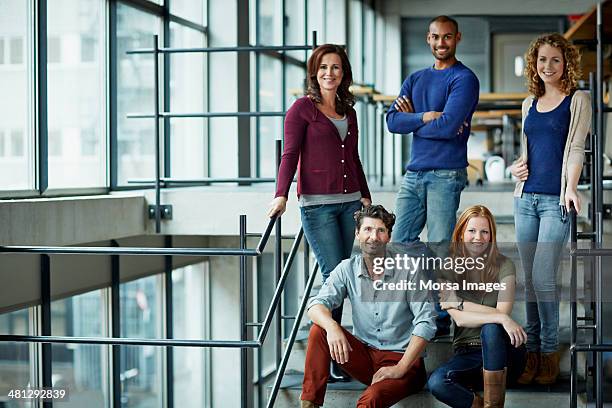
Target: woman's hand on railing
[
  {"x": 277, "y": 207},
  {"x": 366, "y": 202},
  {"x": 572, "y": 198}
]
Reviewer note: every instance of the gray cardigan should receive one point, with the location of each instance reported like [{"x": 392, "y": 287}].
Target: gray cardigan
[{"x": 580, "y": 124}]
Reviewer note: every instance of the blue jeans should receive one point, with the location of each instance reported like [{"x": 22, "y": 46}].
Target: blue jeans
[
  {"x": 330, "y": 231},
  {"x": 428, "y": 197},
  {"x": 454, "y": 383},
  {"x": 542, "y": 229}
]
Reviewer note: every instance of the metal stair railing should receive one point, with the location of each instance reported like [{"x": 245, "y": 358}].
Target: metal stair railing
[{"x": 274, "y": 308}]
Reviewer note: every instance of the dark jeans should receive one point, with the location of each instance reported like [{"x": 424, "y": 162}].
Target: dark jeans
[
  {"x": 330, "y": 231},
  {"x": 454, "y": 383}
]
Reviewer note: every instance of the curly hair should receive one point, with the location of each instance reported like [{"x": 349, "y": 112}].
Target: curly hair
[
  {"x": 345, "y": 99},
  {"x": 375, "y": 211},
  {"x": 571, "y": 59}
]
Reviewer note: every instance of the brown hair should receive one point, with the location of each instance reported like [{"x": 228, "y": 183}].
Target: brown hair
[
  {"x": 375, "y": 211},
  {"x": 490, "y": 272},
  {"x": 345, "y": 99},
  {"x": 571, "y": 60}
]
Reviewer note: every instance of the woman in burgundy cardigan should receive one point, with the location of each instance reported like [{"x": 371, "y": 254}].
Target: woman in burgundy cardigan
[{"x": 321, "y": 143}]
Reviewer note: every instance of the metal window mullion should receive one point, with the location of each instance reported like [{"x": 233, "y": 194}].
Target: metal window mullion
[
  {"x": 169, "y": 313},
  {"x": 42, "y": 158},
  {"x": 45, "y": 323},
  {"x": 166, "y": 90},
  {"x": 243, "y": 91},
  {"x": 113, "y": 61},
  {"x": 187, "y": 23},
  {"x": 115, "y": 302}
]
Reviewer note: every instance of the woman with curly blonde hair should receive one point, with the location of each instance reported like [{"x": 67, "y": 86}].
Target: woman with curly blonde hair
[{"x": 556, "y": 121}]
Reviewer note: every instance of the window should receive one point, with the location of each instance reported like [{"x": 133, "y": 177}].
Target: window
[
  {"x": 54, "y": 52},
  {"x": 141, "y": 367},
  {"x": 89, "y": 142},
  {"x": 17, "y": 143},
  {"x": 76, "y": 95},
  {"x": 17, "y": 360},
  {"x": 55, "y": 143},
  {"x": 2, "y": 141},
  {"x": 135, "y": 29},
  {"x": 17, "y": 105},
  {"x": 187, "y": 92},
  {"x": 192, "y": 10},
  {"x": 82, "y": 369},
  {"x": 89, "y": 47},
  {"x": 190, "y": 318},
  {"x": 17, "y": 50}
]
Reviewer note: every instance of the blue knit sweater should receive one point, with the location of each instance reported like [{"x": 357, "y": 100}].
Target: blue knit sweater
[{"x": 440, "y": 143}]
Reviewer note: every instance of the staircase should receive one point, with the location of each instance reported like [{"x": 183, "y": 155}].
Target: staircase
[{"x": 341, "y": 395}]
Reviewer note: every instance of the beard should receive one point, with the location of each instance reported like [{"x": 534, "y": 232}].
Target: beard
[
  {"x": 443, "y": 57},
  {"x": 371, "y": 249}
]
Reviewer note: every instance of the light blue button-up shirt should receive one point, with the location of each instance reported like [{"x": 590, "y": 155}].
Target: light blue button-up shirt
[{"x": 382, "y": 319}]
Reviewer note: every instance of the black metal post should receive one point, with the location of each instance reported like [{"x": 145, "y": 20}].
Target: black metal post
[
  {"x": 113, "y": 159},
  {"x": 41, "y": 88},
  {"x": 394, "y": 173},
  {"x": 278, "y": 265},
  {"x": 306, "y": 260},
  {"x": 599, "y": 178},
  {"x": 382, "y": 145},
  {"x": 169, "y": 323},
  {"x": 115, "y": 328},
  {"x": 573, "y": 311},
  {"x": 593, "y": 210},
  {"x": 243, "y": 90},
  {"x": 156, "y": 133},
  {"x": 296, "y": 326},
  {"x": 243, "y": 315},
  {"x": 45, "y": 323}
]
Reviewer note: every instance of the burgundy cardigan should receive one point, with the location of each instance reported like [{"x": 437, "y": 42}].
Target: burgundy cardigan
[{"x": 325, "y": 163}]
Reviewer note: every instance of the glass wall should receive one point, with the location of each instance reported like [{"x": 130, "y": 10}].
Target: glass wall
[
  {"x": 191, "y": 320},
  {"x": 81, "y": 369},
  {"x": 135, "y": 89},
  {"x": 17, "y": 360},
  {"x": 16, "y": 82},
  {"x": 187, "y": 94},
  {"x": 142, "y": 366},
  {"x": 76, "y": 93}
]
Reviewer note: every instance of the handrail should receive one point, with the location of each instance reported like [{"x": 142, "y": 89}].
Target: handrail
[
  {"x": 280, "y": 373},
  {"x": 55, "y": 250},
  {"x": 280, "y": 286},
  {"x": 168, "y": 251}
]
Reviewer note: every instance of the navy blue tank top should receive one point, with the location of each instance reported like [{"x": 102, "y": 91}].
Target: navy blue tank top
[{"x": 546, "y": 137}]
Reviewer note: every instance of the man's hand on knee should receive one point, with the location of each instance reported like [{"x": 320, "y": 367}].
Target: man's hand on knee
[
  {"x": 386, "y": 373},
  {"x": 339, "y": 347}
]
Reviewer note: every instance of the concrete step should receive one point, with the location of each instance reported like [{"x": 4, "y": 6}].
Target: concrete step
[{"x": 344, "y": 395}]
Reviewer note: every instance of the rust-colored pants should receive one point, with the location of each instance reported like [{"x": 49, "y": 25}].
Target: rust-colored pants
[{"x": 363, "y": 363}]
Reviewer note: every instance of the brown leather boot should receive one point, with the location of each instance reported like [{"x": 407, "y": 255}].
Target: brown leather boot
[
  {"x": 531, "y": 368},
  {"x": 494, "y": 388},
  {"x": 549, "y": 368},
  {"x": 478, "y": 401},
  {"x": 308, "y": 404}
]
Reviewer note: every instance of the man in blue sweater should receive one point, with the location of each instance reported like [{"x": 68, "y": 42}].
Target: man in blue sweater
[{"x": 435, "y": 105}]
